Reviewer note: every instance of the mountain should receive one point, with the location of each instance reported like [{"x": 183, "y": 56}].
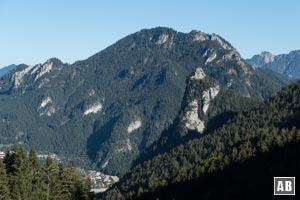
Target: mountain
[
  {"x": 6, "y": 69},
  {"x": 255, "y": 145},
  {"x": 260, "y": 60},
  {"x": 105, "y": 110},
  {"x": 285, "y": 64}
]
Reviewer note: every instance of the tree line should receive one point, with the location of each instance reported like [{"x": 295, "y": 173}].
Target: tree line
[{"x": 24, "y": 177}]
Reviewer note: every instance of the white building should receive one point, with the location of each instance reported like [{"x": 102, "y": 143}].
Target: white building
[{"x": 2, "y": 154}]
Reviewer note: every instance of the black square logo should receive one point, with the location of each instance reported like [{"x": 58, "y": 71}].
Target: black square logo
[{"x": 284, "y": 185}]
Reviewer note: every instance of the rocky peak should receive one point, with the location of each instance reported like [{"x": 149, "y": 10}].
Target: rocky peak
[
  {"x": 267, "y": 56},
  {"x": 198, "y": 74},
  {"x": 201, "y": 91},
  {"x": 17, "y": 77},
  {"x": 220, "y": 41},
  {"x": 198, "y": 36},
  {"x": 25, "y": 76},
  {"x": 261, "y": 59},
  {"x": 55, "y": 61}
]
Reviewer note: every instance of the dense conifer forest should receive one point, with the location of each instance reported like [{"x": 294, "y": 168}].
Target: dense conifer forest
[{"x": 24, "y": 177}]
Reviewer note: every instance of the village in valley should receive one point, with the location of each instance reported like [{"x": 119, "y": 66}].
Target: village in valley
[{"x": 100, "y": 182}]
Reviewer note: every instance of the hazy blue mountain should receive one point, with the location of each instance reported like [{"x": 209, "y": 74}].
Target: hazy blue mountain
[
  {"x": 261, "y": 59},
  {"x": 286, "y": 64},
  {"x": 105, "y": 110},
  {"x": 6, "y": 69}
]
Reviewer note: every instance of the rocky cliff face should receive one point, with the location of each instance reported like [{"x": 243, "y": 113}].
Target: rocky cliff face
[{"x": 191, "y": 114}]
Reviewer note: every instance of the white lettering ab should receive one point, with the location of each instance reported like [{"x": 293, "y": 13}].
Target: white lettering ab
[{"x": 288, "y": 186}]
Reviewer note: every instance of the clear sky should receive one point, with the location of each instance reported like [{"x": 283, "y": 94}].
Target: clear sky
[{"x": 31, "y": 31}]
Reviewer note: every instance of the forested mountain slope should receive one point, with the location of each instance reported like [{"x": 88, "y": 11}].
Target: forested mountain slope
[
  {"x": 247, "y": 180},
  {"x": 271, "y": 126}
]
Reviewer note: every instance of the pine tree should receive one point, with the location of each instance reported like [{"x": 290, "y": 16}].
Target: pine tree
[
  {"x": 81, "y": 189},
  {"x": 39, "y": 187},
  {"x": 22, "y": 177},
  {"x": 50, "y": 176},
  {"x": 33, "y": 160},
  {"x": 18, "y": 174},
  {"x": 4, "y": 187},
  {"x": 64, "y": 185}
]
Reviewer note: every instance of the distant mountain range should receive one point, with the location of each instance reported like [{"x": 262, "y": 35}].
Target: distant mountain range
[
  {"x": 285, "y": 64},
  {"x": 6, "y": 69},
  {"x": 107, "y": 110}
]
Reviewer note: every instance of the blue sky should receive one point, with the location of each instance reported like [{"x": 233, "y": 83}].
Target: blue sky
[{"x": 31, "y": 31}]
